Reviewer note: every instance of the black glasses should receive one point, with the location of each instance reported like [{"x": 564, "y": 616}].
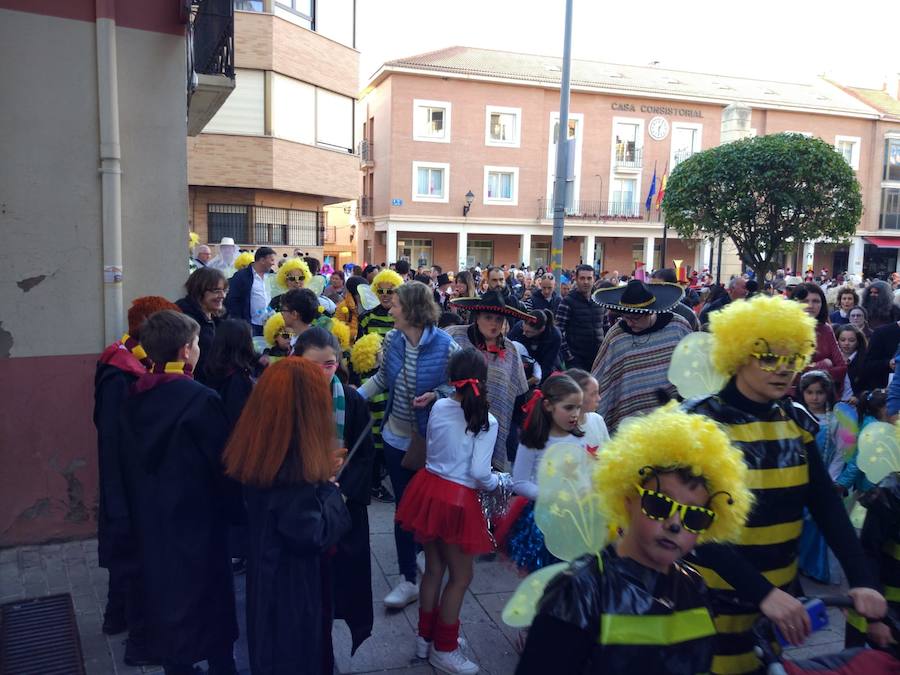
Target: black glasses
[
  {"x": 658, "y": 506},
  {"x": 297, "y": 277},
  {"x": 286, "y": 335},
  {"x": 385, "y": 291}
]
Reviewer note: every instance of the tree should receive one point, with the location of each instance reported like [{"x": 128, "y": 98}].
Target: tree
[{"x": 764, "y": 194}]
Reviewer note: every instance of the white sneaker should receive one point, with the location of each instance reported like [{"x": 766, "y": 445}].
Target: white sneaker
[
  {"x": 404, "y": 593},
  {"x": 423, "y": 647},
  {"x": 452, "y": 662}
]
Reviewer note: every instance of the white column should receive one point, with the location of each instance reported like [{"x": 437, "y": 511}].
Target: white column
[
  {"x": 809, "y": 255},
  {"x": 525, "y": 245},
  {"x": 649, "y": 245},
  {"x": 705, "y": 251},
  {"x": 857, "y": 250},
  {"x": 590, "y": 243},
  {"x": 391, "y": 245},
  {"x": 462, "y": 248}
]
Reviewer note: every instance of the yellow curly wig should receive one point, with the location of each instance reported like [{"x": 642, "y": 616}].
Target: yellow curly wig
[
  {"x": 364, "y": 356},
  {"x": 387, "y": 276},
  {"x": 243, "y": 260},
  {"x": 292, "y": 265},
  {"x": 274, "y": 325},
  {"x": 342, "y": 332},
  {"x": 737, "y": 328},
  {"x": 669, "y": 438}
]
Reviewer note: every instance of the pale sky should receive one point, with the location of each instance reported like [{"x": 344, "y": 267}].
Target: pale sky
[{"x": 854, "y": 41}]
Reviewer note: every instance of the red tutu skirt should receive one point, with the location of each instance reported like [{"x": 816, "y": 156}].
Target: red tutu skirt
[{"x": 436, "y": 508}]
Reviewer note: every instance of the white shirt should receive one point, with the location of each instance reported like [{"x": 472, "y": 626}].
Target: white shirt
[
  {"x": 596, "y": 434},
  {"x": 454, "y": 453},
  {"x": 259, "y": 299},
  {"x": 528, "y": 461},
  {"x": 847, "y": 393}
]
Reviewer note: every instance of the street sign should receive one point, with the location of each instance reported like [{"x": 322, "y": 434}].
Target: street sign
[{"x": 396, "y": 202}]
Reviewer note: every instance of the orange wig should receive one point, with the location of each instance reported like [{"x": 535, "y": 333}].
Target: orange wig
[
  {"x": 142, "y": 308},
  {"x": 287, "y": 428}
]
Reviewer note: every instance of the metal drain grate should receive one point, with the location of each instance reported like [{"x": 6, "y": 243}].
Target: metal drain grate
[{"x": 39, "y": 636}]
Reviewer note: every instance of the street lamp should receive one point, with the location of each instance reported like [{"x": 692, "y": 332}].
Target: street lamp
[{"x": 470, "y": 197}]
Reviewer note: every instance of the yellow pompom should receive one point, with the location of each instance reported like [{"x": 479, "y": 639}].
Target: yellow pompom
[
  {"x": 364, "y": 355},
  {"x": 342, "y": 332},
  {"x": 194, "y": 239},
  {"x": 345, "y": 310},
  {"x": 274, "y": 325},
  {"x": 321, "y": 309},
  {"x": 243, "y": 260}
]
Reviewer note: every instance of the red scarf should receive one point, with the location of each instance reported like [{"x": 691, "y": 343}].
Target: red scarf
[{"x": 127, "y": 355}]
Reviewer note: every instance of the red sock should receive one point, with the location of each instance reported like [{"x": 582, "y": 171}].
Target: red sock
[
  {"x": 426, "y": 623},
  {"x": 446, "y": 636}
]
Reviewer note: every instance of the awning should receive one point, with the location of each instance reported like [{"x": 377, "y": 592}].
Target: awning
[{"x": 884, "y": 242}]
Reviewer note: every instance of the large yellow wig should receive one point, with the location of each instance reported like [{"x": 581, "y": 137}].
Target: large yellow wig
[
  {"x": 387, "y": 276},
  {"x": 243, "y": 260},
  {"x": 274, "y": 325},
  {"x": 292, "y": 265},
  {"x": 738, "y": 328},
  {"x": 668, "y": 439}
]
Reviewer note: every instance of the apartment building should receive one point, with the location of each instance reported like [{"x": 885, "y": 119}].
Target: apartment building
[
  {"x": 282, "y": 147},
  {"x": 458, "y": 156}
]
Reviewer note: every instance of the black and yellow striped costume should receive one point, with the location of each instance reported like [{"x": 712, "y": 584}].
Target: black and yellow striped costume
[
  {"x": 380, "y": 322},
  {"x": 880, "y": 539},
  {"x": 786, "y": 474},
  {"x": 613, "y": 615}
]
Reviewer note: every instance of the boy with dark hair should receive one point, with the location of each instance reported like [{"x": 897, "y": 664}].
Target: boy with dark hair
[
  {"x": 175, "y": 430},
  {"x": 401, "y": 267}
]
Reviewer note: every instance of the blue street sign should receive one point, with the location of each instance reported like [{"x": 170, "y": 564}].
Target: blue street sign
[{"x": 396, "y": 202}]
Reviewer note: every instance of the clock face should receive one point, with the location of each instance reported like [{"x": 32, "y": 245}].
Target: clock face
[{"x": 658, "y": 128}]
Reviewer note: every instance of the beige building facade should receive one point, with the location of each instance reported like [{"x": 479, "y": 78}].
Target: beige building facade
[{"x": 461, "y": 124}]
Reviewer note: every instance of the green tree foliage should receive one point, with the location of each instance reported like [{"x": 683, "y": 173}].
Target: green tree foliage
[{"x": 764, "y": 194}]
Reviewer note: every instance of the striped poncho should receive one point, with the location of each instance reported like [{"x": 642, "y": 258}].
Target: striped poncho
[{"x": 630, "y": 368}]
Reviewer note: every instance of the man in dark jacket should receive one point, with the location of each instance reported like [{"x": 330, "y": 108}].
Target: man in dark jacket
[
  {"x": 497, "y": 282},
  {"x": 580, "y": 321},
  {"x": 248, "y": 295},
  {"x": 545, "y": 296}
]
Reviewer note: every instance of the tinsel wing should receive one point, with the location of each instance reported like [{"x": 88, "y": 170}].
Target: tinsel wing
[
  {"x": 691, "y": 369},
  {"x": 367, "y": 297},
  {"x": 846, "y": 432},
  {"x": 879, "y": 451},
  {"x": 316, "y": 284},
  {"x": 521, "y": 608},
  {"x": 567, "y": 509}
]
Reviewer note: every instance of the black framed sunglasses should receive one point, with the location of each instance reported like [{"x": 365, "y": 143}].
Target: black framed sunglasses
[
  {"x": 296, "y": 277},
  {"x": 285, "y": 335},
  {"x": 385, "y": 291},
  {"x": 658, "y": 506}
]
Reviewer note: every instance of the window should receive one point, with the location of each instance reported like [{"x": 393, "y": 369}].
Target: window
[
  {"x": 244, "y": 110},
  {"x": 431, "y": 121},
  {"x": 624, "y": 198},
  {"x": 502, "y": 126},
  {"x": 891, "y": 159},
  {"x": 334, "y": 120},
  {"x": 848, "y": 147},
  {"x": 890, "y": 209},
  {"x": 249, "y": 5},
  {"x": 575, "y": 136},
  {"x": 501, "y": 185},
  {"x": 573, "y": 129},
  {"x": 293, "y": 110},
  {"x": 540, "y": 254},
  {"x": 416, "y": 251},
  {"x": 628, "y": 144},
  {"x": 299, "y": 12},
  {"x": 480, "y": 252},
  {"x": 430, "y": 182},
  {"x": 686, "y": 140},
  {"x": 637, "y": 254},
  {"x": 258, "y": 225}
]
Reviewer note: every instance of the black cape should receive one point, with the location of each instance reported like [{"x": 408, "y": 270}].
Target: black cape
[{"x": 180, "y": 502}]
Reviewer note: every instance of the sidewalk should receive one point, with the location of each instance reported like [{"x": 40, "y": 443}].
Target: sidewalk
[{"x": 31, "y": 571}]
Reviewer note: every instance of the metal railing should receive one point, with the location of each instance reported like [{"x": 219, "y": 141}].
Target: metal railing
[
  {"x": 629, "y": 157},
  {"x": 211, "y": 36},
  {"x": 600, "y": 211},
  {"x": 365, "y": 151},
  {"x": 266, "y": 225},
  {"x": 365, "y": 207},
  {"x": 680, "y": 156},
  {"x": 330, "y": 234}
]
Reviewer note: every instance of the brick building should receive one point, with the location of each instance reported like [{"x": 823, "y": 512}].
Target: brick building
[{"x": 460, "y": 124}]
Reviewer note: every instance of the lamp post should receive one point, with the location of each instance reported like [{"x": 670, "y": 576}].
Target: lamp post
[{"x": 470, "y": 197}]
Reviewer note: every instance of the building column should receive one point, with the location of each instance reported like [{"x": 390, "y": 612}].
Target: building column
[
  {"x": 590, "y": 244},
  {"x": 391, "y": 243},
  {"x": 857, "y": 251},
  {"x": 809, "y": 255},
  {"x": 462, "y": 248},
  {"x": 525, "y": 245},
  {"x": 649, "y": 246},
  {"x": 704, "y": 251}
]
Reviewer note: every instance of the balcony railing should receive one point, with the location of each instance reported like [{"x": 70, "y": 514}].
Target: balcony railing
[
  {"x": 628, "y": 157},
  {"x": 680, "y": 156},
  {"x": 266, "y": 225},
  {"x": 365, "y": 207},
  {"x": 366, "y": 154},
  {"x": 600, "y": 211},
  {"x": 330, "y": 234},
  {"x": 210, "y": 60}
]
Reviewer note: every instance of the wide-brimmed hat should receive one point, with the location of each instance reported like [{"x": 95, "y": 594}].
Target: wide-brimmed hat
[
  {"x": 491, "y": 302},
  {"x": 443, "y": 279},
  {"x": 637, "y": 297},
  {"x": 226, "y": 241}
]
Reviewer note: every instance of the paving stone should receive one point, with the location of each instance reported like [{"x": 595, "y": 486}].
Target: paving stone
[
  {"x": 494, "y": 577},
  {"x": 381, "y": 518},
  {"x": 392, "y": 644},
  {"x": 489, "y": 648},
  {"x": 9, "y": 555},
  {"x": 384, "y": 549},
  {"x": 30, "y": 560},
  {"x": 493, "y": 604}
]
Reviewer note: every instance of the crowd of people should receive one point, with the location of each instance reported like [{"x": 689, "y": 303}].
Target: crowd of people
[{"x": 245, "y": 427}]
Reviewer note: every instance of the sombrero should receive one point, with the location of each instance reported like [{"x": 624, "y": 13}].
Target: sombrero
[
  {"x": 491, "y": 302},
  {"x": 638, "y": 297}
]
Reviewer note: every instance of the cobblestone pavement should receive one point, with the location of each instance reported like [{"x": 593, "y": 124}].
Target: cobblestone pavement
[{"x": 71, "y": 567}]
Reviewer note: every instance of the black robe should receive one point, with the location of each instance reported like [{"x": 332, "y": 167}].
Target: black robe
[
  {"x": 291, "y": 526},
  {"x": 175, "y": 430}
]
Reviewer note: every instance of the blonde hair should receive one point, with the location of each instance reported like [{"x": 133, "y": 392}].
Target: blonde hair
[
  {"x": 274, "y": 325},
  {"x": 738, "y": 329},
  {"x": 669, "y": 439},
  {"x": 387, "y": 276},
  {"x": 292, "y": 265}
]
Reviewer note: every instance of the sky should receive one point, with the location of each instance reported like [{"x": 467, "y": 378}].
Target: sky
[{"x": 784, "y": 40}]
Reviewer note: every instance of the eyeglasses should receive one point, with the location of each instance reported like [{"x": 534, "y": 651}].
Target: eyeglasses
[
  {"x": 773, "y": 363},
  {"x": 385, "y": 291},
  {"x": 298, "y": 277},
  {"x": 286, "y": 335},
  {"x": 217, "y": 291},
  {"x": 657, "y": 506}
]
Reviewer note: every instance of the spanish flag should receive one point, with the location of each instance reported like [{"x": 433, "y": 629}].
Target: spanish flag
[{"x": 662, "y": 190}]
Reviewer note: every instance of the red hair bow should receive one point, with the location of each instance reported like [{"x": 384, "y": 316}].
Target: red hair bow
[
  {"x": 459, "y": 384},
  {"x": 532, "y": 403}
]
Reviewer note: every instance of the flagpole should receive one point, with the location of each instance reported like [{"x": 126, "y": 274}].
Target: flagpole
[
  {"x": 563, "y": 147},
  {"x": 659, "y": 218}
]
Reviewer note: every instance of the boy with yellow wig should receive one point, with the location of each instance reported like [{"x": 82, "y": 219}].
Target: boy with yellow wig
[
  {"x": 760, "y": 344},
  {"x": 670, "y": 480}
]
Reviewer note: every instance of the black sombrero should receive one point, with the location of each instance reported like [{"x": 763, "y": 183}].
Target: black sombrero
[
  {"x": 638, "y": 297},
  {"x": 491, "y": 302}
]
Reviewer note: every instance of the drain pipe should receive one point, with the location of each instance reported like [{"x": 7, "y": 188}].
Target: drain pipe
[{"x": 110, "y": 170}]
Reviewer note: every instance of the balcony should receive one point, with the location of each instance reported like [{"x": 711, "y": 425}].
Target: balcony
[
  {"x": 210, "y": 61},
  {"x": 628, "y": 157},
  {"x": 590, "y": 210},
  {"x": 330, "y": 234},
  {"x": 366, "y": 154},
  {"x": 680, "y": 156},
  {"x": 366, "y": 211},
  {"x": 252, "y": 225}
]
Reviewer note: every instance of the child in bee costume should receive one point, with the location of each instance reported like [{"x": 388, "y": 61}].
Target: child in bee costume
[{"x": 665, "y": 481}]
